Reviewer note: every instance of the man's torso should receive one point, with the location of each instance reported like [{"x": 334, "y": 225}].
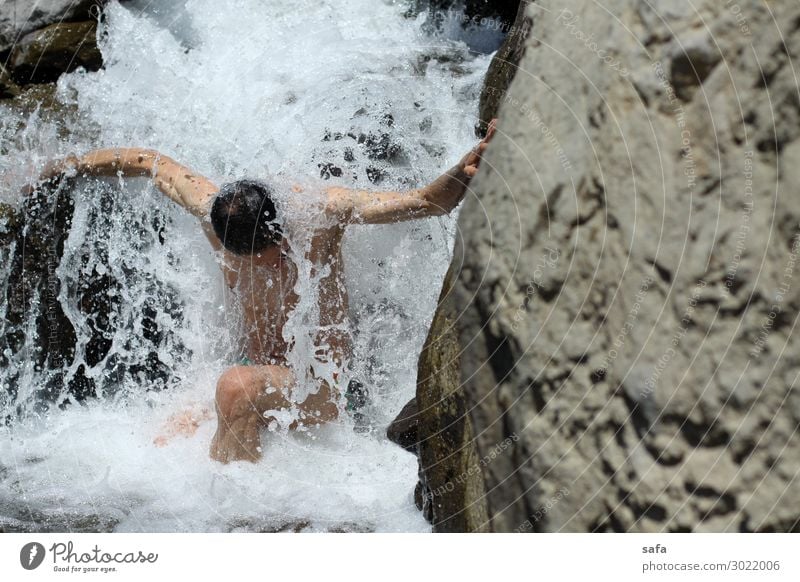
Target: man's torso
[{"x": 268, "y": 294}]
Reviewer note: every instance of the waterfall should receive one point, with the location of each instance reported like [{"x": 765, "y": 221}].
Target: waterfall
[{"x": 354, "y": 93}]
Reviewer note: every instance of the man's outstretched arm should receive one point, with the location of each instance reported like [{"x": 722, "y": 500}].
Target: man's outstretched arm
[
  {"x": 440, "y": 197},
  {"x": 179, "y": 183}
]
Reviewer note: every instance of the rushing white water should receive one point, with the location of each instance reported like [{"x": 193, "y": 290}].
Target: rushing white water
[{"x": 351, "y": 90}]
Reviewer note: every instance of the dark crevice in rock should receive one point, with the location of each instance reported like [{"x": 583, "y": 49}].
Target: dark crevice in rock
[
  {"x": 653, "y": 511},
  {"x": 619, "y": 433},
  {"x": 598, "y": 375},
  {"x": 769, "y": 72},
  {"x": 691, "y": 67},
  {"x": 608, "y": 469},
  {"x": 697, "y": 434},
  {"x": 722, "y": 502},
  {"x": 642, "y": 413},
  {"x": 500, "y": 356},
  {"x": 546, "y": 212},
  {"x": 501, "y": 359},
  {"x": 551, "y": 291},
  {"x": 782, "y": 526},
  {"x": 607, "y": 523},
  {"x": 582, "y": 219},
  {"x": 539, "y": 401},
  {"x": 741, "y": 449},
  {"x": 663, "y": 273}
]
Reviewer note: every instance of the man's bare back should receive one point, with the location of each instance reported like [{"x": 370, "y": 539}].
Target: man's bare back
[
  {"x": 265, "y": 287},
  {"x": 249, "y": 397}
]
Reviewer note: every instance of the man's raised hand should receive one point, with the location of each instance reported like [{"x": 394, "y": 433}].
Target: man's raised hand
[{"x": 472, "y": 160}]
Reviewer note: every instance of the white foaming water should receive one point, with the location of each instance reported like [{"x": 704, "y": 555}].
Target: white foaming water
[{"x": 350, "y": 91}]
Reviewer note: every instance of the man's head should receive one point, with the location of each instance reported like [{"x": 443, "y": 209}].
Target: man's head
[{"x": 244, "y": 217}]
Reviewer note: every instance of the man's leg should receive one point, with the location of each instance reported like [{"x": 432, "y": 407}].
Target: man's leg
[{"x": 244, "y": 394}]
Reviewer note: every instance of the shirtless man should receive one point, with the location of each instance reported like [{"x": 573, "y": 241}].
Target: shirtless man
[{"x": 241, "y": 223}]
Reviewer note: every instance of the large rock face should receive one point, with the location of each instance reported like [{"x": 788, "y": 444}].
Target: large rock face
[{"x": 630, "y": 280}]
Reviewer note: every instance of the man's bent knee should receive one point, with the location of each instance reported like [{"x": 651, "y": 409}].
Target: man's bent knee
[{"x": 234, "y": 385}]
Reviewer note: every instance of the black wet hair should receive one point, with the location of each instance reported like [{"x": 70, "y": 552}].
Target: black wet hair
[{"x": 244, "y": 217}]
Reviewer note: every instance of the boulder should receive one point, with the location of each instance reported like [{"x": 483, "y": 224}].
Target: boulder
[
  {"x": 42, "y": 56},
  {"x": 628, "y": 282},
  {"x": 403, "y": 430},
  {"x": 19, "y": 17}
]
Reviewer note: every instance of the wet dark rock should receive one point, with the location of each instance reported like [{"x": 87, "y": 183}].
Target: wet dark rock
[
  {"x": 502, "y": 10},
  {"x": 378, "y": 147},
  {"x": 17, "y": 517},
  {"x": 19, "y": 17},
  {"x": 36, "y": 329},
  {"x": 8, "y": 88},
  {"x": 42, "y": 97},
  {"x": 503, "y": 67},
  {"x": 9, "y": 223},
  {"x": 474, "y": 11},
  {"x": 450, "y": 489},
  {"x": 404, "y": 428},
  {"x": 43, "y": 55},
  {"x": 451, "y": 59},
  {"x": 328, "y": 170},
  {"x": 266, "y": 525},
  {"x": 282, "y": 525},
  {"x": 33, "y": 287},
  {"x": 376, "y": 175},
  {"x": 422, "y": 500}
]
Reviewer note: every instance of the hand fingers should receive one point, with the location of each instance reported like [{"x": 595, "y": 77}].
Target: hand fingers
[
  {"x": 470, "y": 171},
  {"x": 490, "y": 131}
]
